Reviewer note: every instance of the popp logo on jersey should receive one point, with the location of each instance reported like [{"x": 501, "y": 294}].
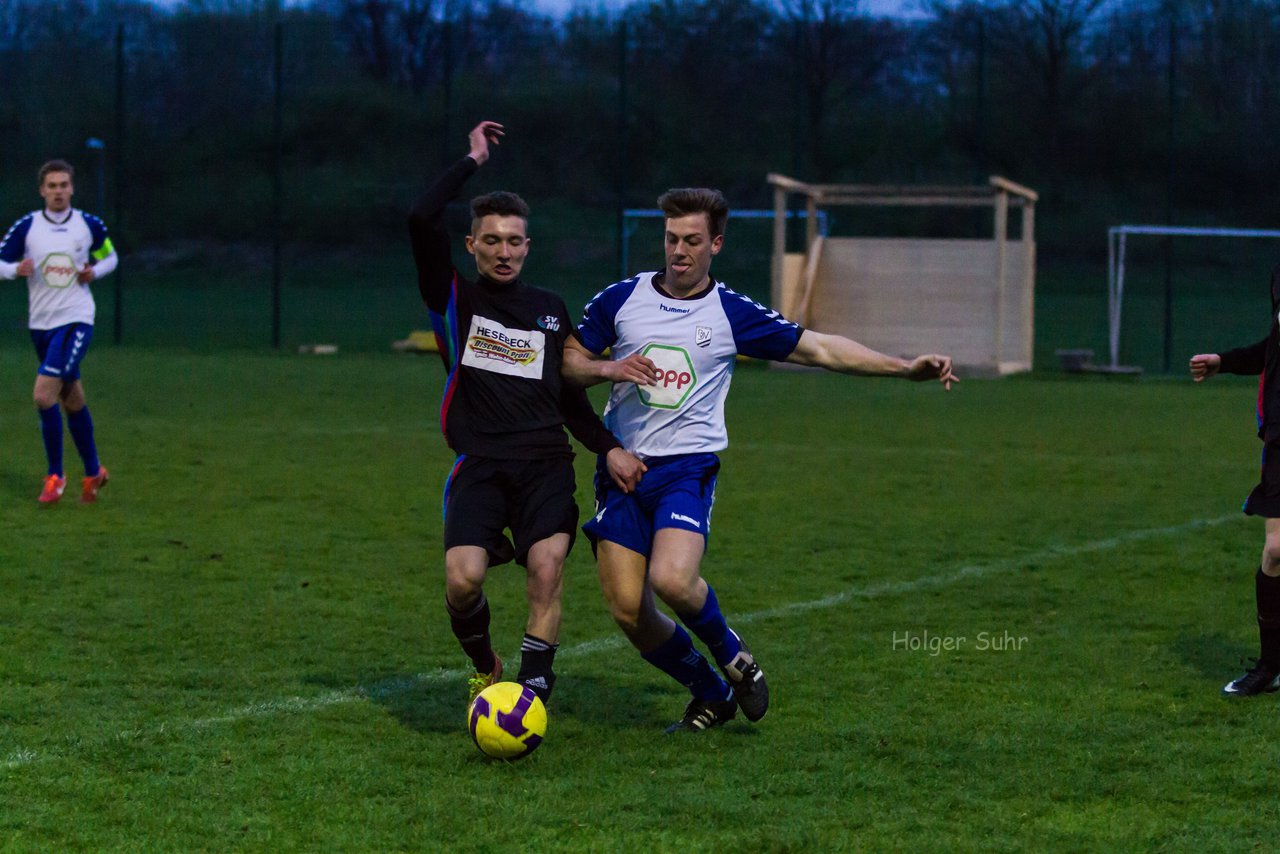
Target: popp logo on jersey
[
  {"x": 677, "y": 377},
  {"x": 58, "y": 269}
]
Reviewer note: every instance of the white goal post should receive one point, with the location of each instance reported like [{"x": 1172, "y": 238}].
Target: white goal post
[{"x": 1116, "y": 242}]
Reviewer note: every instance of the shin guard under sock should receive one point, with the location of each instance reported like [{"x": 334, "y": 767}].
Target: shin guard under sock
[
  {"x": 1267, "y": 593},
  {"x": 471, "y": 628},
  {"x": 677, "y": 658}
]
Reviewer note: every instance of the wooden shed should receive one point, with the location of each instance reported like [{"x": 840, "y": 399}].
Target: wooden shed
[{"x": 972, "y": 298}]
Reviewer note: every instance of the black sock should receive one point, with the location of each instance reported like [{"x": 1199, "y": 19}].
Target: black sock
[
  {"x": 536, "y": 657},
  {"x": 471, "y": 628},
  {"x": 1267, "y": 591}
]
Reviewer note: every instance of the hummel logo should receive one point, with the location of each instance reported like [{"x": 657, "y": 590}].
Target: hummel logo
[
  {"x": 679, "y": 518},
  {"x": 600, "y": 515}
]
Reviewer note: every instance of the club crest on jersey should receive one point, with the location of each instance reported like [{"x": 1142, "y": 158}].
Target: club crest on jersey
[
  {"x": 58, "y": 270},
  {"x": 549, "y": 322},
  {"x": 702, "y": 336}
]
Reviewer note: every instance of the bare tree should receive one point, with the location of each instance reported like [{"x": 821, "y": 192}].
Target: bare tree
[
  {"x": 1044, "y": 41},
  {"x": 839, "y": 54}
]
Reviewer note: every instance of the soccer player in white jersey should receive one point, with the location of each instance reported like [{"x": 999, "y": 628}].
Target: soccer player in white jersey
[
  {"x": 60, "y": 250},
  {"x": 650, "y": 541}
]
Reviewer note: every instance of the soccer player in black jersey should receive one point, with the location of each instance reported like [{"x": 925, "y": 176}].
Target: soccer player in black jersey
[
  {"x": 1262, "y": 358},
  {"x": 503, "y": 414}
]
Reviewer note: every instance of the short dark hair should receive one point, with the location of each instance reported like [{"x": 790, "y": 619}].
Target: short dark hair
[
  {"x": 55, "y": 166},
  {"x": 691, "y": 200},
  {"x": 500, "y": 203}
]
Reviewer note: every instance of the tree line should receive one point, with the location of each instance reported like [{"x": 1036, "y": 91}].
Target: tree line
[{"x": 1114, "y": 109}]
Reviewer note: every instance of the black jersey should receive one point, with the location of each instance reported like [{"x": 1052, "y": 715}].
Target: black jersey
[
  {"x": 1263, "y": 358},
  {"x": 502, "y": 345}
]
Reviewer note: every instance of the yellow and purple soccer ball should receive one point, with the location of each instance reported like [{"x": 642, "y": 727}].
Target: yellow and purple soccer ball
[{"x": 507, "y": 720}]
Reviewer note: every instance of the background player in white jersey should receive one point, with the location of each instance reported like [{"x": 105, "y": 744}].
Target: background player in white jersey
[
  {"x": 690, "y": 328},
  {"x": 60, "y": 250}
]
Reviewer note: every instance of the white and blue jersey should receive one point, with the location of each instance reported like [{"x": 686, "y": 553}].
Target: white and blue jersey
[
  {"x": 694, "y": 343},
  {"x": 60, "y": 246}
]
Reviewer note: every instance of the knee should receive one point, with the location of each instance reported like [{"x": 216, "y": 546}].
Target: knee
[
  {"x": 546, "y": 580},
  {"x": 626, "y": 612},
  {"x": 545, "y": 569},
  {"x": 463, "y": 589},
  {"x": 1271, "y": 556},
  {"x": 627, "y": 619},
  {"x": 462, "y": 598},
  {"x": 44, "y": 398},
  {"x": 680, "y": 590}
]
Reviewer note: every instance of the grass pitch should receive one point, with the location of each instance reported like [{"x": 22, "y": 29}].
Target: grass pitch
[{"x": 996, "y": 619}]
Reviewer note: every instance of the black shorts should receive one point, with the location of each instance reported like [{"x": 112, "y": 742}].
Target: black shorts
[
  {"x": 1265, "y": 499},
  {"x": 484, "y": 496}
]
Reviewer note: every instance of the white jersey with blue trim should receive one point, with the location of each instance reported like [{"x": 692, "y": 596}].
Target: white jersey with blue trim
[
  {"x": 60, "y": 248},
  {"x": 694, "y": 343}
]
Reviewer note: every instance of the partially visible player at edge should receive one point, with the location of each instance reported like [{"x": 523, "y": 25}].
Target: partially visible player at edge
[
  {"x": 689, "y": 328},
  {"x": 60, "y": 250},
  {"x": 503, "y": 413},
  {"x": 1261, "y": 358}
]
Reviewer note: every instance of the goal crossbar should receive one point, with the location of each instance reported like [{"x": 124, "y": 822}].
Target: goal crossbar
[{"x": 1116, "y": 256}]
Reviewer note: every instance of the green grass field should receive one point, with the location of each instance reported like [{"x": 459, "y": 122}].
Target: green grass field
[{"x": 243, "y": 646}]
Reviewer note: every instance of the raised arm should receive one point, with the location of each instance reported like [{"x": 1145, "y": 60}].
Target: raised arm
[
  {"x": 427, "y": 234},
  {"x": 846, "y": 356}
]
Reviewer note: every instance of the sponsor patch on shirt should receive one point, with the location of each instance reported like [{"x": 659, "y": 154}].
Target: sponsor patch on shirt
[
  {"x": 58, "y": 270},
  {"x": 676, "y": 377},
  {"x": 497, "y": 348}
]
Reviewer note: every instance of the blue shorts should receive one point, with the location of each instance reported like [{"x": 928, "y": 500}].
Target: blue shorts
[
  {"x": 61, "y": 349},
  {"x": 676, "y": 492}
]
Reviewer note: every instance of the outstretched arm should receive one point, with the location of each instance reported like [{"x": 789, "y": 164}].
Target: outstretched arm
[
  {"x": 846, "y": 356},
  {"x": 1249, "y": 360},
  {"x": 1204, "y": 365}
]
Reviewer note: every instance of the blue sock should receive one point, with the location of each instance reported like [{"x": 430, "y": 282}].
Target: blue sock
[
  {"x": 81, "y": 426},
  {"x": 710, "y": 627},
  {"x": 677, "y": 658},
  {"x": 51, "y": 432}
]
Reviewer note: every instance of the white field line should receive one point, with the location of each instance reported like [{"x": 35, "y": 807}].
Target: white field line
[{"x": 20, "y": 757}]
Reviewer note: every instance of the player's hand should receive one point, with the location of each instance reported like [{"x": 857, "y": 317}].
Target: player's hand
[
  {"x": 625, "y": 468},
  {"x": 932, "y": 367},
  {"x": 1204, "y": 365},
  {"x": 26, "y": 267},
  {"x": 635, "y": 368},
  {"x": 481, "y": 137},
  {"x": 86, "y": 275}
]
